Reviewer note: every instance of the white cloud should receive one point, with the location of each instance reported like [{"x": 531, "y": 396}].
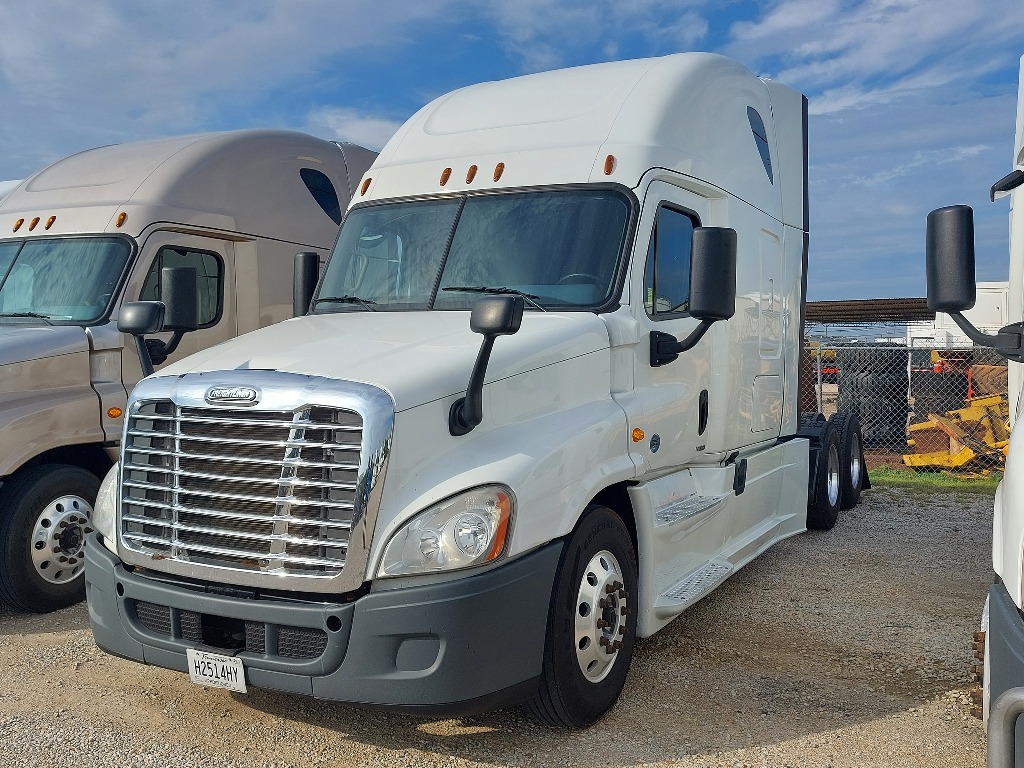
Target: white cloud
[{"x": 344, "y": 124}]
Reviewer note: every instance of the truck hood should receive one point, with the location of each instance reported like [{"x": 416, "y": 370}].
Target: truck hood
[
  {"x": 21, "y": 343},
  {"x": 417, "y": 357}
]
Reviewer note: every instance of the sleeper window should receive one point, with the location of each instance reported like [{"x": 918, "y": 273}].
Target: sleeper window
[
  {"x": 208, "y": 269},
  {"x": 667, "y": 274}
]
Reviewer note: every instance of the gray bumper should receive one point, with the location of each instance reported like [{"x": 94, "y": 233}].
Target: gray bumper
[
  {"x": 1005, "y": 662},
  {"x": 447, "y": 649}
]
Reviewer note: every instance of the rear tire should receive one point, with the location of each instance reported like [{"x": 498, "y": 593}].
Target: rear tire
[
  {"x": 44, "y": 517},
  {"x": 823, "y": 509},
  {"x": 591, "y": 624},
  {"x": 852, "y": 471}
]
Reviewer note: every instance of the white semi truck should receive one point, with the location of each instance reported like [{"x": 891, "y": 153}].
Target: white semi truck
[
  {"x": 952, "y": 288},
  {"x": 94, "y": 231},
  {"x": 373, "y": 504}
]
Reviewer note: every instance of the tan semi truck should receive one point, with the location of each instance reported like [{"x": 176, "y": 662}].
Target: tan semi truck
[{"x": 95, "y": 230}]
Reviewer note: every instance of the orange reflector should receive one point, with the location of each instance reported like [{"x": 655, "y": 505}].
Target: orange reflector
[
  {"x": 505, "y": 511},
  {"x": 17, "y": 224},
  {"x": 366, "y": 185},
  {"x": 471, "y": 174},
  {"x": 115, "y": 412},
  {"x": 32, "y": 224},
  {"x": 445, "y": 175},
  {"x": 498, "y": 170},
  {"x": 609, "y": 165},
  {"x": 49, "y": 222},
  {"x": 121, "y": 217},
  {"x": 638, "y": 435}
]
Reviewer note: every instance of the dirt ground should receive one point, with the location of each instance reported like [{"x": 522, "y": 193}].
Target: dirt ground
[{"x": 846, "y": 648}]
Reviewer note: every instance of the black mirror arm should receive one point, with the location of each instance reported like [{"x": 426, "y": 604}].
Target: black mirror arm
[
  {"x": 467, "y": 412},
  {"x": 142, "y": 345},
  {"x": 160, "y": 350},
  {"x": 665, "y": 348},
  {"x": 1009, "y": 342}
]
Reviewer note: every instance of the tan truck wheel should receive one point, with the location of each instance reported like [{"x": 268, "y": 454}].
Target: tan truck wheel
[{"x": 44, "y": 519}]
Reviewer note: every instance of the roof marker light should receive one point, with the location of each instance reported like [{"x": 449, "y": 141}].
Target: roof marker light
[
  {"x": 17, "y": 224},
  {"x": 445, "y": 175},
  {"x": 121, "y": 217},
  {"x": 366, "y": 185},
  {"x": 609, "y": 165},
  {"x": 49, "y": 222},
  {"x": 471, "y": 174},
  {"x": 32, "y": 224},
  {"x": 498, "y": 170}
]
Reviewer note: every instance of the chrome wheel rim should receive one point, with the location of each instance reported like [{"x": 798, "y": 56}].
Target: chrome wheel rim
[
  {"x": 833, "y": 475},
  {"x": 58, "y": 539},
  {"x": 855, "y": 468},
  {"x": 602, "y": 605}
]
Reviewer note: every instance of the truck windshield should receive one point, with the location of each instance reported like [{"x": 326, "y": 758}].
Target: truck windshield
[
  {"x": 560, "y": 248},
  {"x": 60, "y": 280}
]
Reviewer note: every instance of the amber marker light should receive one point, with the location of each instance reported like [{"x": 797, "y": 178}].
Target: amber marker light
[
  {"x": 121, "y": 218},
  {"x": 17, "y": 224},
  {"x": 638, "y": 435},
  {"x": 115, "y": 412},
  {"x": 32, "y": 224},
  {"x": 445, "y": 175},
  {"x": 498, "y": 170},
  {"x": 471, "y": 174},
  {"x": 609, "y": 165},
  {"x": 504, "y": 514},
  {"x": 366, "y": 185},
  {"x": 49, "y": 222}
]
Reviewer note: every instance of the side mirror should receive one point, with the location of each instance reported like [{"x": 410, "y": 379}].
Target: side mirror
[
  {"x": 305, "y": 276},
  {"x": 951, "y": 285},
  {"x": 492, "y": 316},
  {"x": 950, "y": 259},
  {"x": 139, "y": 318},
  {"x": 179, "y": 291},
  {"x": 712, "y": 290},
  {"x": 713, "y": 273}
]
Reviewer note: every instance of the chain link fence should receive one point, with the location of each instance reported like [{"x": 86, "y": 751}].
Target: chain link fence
[{"x": 928, "y": 408}]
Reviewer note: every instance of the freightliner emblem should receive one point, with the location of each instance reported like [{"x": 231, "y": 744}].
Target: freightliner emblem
[{"x": 243, "y": 395}]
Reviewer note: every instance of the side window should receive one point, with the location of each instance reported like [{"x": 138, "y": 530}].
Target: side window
[
  {"x": 323, "y": 192},
  {"x": 667, "y": 274},
  {"x": 761, "y": 140},
  {"x": 211, "y": 279}
]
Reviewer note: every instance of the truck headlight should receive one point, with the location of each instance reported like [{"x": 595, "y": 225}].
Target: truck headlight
[
  {"x": 104, "y": 511},
  {"x": 465, "y": 530}
]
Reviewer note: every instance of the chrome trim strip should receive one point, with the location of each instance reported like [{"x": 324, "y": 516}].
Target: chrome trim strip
[
  {"x": 239, "y": 516},
  {"x": 290, "y": 462}
]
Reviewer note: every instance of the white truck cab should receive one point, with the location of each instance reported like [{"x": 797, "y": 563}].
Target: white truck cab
[
  {"x": 91, "y": 233},
  {"x": 545, "y": 399},
  {"x": 952, "y": 288}
]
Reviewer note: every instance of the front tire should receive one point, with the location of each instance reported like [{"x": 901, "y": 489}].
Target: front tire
[
  {"x": 591, "y": 624},
  {"x": 44, "y": 517}
]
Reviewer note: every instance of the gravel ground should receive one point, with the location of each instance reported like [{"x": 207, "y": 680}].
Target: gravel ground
[{"x": 846, "y": 648}]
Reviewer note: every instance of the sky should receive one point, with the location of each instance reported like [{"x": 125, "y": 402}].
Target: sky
[{"x": 912, "y": 102}]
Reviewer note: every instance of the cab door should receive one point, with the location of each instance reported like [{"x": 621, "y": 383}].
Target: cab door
[
  {"x": 214, "y": 262},
  {"x": 668, "y": 403}
]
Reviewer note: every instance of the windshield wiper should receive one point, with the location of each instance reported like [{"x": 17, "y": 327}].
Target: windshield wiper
[
  {"x": 529, "y": 297},
  {"x": 368, "y": 303},
  {"x": 44, "y": 318}
]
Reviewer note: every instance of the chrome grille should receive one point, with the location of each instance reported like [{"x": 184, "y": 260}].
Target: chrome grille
[{"x": 269, "y": 491}]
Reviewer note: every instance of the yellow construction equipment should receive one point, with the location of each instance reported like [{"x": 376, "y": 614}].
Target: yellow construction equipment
[{"x": 969, "y": 439}]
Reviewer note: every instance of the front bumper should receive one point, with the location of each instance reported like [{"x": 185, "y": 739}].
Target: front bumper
[{"x": 449, "y": 649}]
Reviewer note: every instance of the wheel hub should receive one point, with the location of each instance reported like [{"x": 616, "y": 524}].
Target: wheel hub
[
  {"x": 58, "y": 539},
  {"x": 833, "y": 476},
  {"x": 602, "y": 605}
]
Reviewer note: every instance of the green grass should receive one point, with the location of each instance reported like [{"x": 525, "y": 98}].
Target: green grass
[{"x": 934, "y": 482}]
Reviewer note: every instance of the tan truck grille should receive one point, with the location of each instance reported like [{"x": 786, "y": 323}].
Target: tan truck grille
[{"x": 245, "y": 489}]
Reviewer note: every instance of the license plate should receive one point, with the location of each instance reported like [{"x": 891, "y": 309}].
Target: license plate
[{"x": 215, "y": 670}]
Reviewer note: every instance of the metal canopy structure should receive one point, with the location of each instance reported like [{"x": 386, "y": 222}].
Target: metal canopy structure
[{"x": 865, "y": 311}]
